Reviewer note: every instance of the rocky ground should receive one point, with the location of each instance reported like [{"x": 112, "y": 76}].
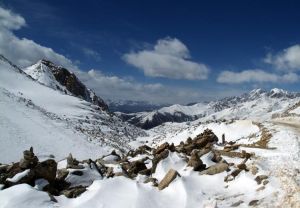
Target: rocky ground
[{"x": 204, "y": 171}]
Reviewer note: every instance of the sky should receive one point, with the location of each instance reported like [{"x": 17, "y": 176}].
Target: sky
[{"x": 159, "y": 51}]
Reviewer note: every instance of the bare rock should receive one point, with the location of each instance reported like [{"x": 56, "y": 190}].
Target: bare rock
[
  {"x": 169, "y": 177},
  {"x": 260, "y": 178},
  {"x": 196, "y": 162},
  {"x": 215, "y": 169},
  {"x": 161, "y": 148},
  {"x": 47, "y": 170}
]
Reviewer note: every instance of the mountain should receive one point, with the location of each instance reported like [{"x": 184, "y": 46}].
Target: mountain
[
  {"x": 129, "y": 106},
  {"x": 60, "y": 78},
  {"x": 257, "y": 103},
  {"x": 52, "y": 121}
]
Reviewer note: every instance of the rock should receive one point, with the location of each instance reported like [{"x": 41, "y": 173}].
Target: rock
[
  {"x": 73, "y": 163},
  {"x": 253, "y": 203},
  {"x": 242, "y": 166},
  {"x": 110, "y": 172},
  {"x": 203, "y": 152},
  {"x": 47, "y": 170},
  {"x": 260, "y": 178},
  {"x": 216, "y": 157},
  {"x": 238, "y": 203},
  {"x": 136, "y": 166},
  {"x": 151, "y": 180},
  {"x": 62, "y": 174},
  {"x": 254, "y": 170},
  {"x": 215, "y": 169},
  {"x": 236, "y": 172},
  {"x": 161, "y": 148},
  {"x": 172, "y": 147},
  {"x": 73, "y": 192},
  {"x": 29, "y": 160},
  {"x": 158, "y": 158},
  {"x": 189, "y": 140},
  {"x": 223, "y": 139},
  {"x": 146, "y": 172},
  {"x": 169, "y": 177},
  {"x": 265, "y": 182},
  {"x": 196, "y": 162}
]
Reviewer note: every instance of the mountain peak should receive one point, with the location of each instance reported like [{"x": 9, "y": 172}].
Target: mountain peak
[{"x": 60, "y": 78}]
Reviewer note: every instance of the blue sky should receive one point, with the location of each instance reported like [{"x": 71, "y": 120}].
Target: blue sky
[{"x": 163, "y": 51}]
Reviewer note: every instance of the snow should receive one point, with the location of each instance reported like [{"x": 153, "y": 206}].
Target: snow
[
  {"x": 53, "y": 122},
  {"x": 296, "y": 111},
  {"x": 89, "y": 175},
  {"x": 19, "y": 176},
  {"x": 24, "y": 196}
]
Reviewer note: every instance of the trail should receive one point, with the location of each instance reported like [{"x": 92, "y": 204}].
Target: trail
[{"x": 284, "y": 161}]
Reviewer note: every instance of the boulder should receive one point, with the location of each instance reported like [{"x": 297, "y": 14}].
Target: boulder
[
  {"x": 215, "y": 169},
  {"x": 161, "y": 148},
  {"x": 196, "y": 162},
  {"x": 260, "y": 178},
  {"x": 136, "y": 166},
  {"x": 47, "y": 170},
  {"x": 169, "y": 177},
  {"x": 158, "y": 158}
]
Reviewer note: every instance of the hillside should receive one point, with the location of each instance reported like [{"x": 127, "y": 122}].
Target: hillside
[{"x": 53, "y": 122}]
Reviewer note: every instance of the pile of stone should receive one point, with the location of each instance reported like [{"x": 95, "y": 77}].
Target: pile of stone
[{"x": 29, "y": 170}]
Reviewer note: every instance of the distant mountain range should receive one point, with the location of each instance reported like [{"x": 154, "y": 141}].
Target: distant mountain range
[
  {"x": 257, "y": 103},
  {"x": 128, "y": 106}
]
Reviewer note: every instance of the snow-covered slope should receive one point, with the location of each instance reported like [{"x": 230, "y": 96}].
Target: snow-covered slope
[
  {"x": 258, "y": 104},
  {"x": 59, "y": 78},
  {"x": 53, "y": 122}
]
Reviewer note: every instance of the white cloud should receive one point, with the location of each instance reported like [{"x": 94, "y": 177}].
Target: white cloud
[
  {"x": 255, "y": 75},
  {"x": 288, "y": 59},
  {"x": 120, "y": 88},
  {"x": 169, "y": 58},
  {"x": 23, "y": 51},
  {"x": 10, "y": 20}
]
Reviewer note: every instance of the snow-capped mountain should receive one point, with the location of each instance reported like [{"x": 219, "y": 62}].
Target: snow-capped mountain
[
  {"x": 256, "y": 103},
  {"x": 129, "y": 106},
  {"x": 60, "y": 78},
  {"x": 52, "y": 121}
]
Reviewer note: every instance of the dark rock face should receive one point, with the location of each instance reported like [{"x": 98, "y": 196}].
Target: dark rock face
[{"x": 74, "y": 85}]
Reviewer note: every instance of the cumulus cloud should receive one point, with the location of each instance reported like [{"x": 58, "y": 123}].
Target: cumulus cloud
[
  {"x": 120, "y": 88},
  {"x": 288, "y": 59},
  {"x": 169, "y": 58},
  {"x": 23, "y": 51},
  {"x": 255, "y": 75}
]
